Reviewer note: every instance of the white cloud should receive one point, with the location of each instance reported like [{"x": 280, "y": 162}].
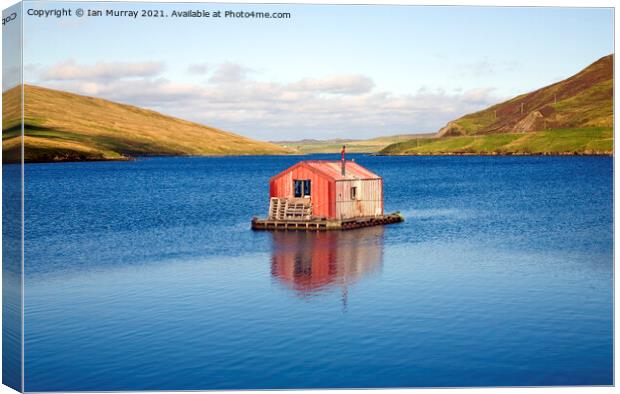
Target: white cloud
[
  {"x": 342, "y": 84},
  {"x": 71, "y": 71},
  {"x": 199, "y": 68},
  {"x": 229, "y": 73},
  {"x": 347, "y": 106}
]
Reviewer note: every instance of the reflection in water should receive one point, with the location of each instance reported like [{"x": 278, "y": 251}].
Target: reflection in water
[{"x": 309, "y": 262}]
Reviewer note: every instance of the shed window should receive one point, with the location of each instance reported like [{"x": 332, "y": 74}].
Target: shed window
[
  {"x": 354, "y": 193},
  {"x": 298, "y": 186},
  {"x": 307, "y": 188},
  {"x": 302, "y": 187}
]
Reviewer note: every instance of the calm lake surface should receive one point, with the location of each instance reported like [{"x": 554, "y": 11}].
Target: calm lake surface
[{"x": 146, "y": 275}]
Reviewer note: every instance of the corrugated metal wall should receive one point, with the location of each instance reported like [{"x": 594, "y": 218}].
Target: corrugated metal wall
[
  {"x": 368, "y": 200},
  {"x": 322, "y": 188}
]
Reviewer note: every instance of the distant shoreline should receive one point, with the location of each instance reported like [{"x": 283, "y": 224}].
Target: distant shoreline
[
  {"x": 498, "y": 154},
  {"x": 445, "y": 154},
  {"x": 137, "y": 157}
]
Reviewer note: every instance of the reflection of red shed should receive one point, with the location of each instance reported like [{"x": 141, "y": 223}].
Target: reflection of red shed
[
  {"x": 314, "y": 261},
  {"x": 335, "y": 189}
]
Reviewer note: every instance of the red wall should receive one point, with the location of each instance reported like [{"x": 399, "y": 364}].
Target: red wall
[{"x": 323, "y": 189}]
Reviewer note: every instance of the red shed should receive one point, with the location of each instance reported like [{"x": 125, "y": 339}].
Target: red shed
[{"x": 335, "y": 189}]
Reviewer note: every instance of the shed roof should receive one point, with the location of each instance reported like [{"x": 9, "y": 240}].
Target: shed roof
[{"x": 332, "y": 169}]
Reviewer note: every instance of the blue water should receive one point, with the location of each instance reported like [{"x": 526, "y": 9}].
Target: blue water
[{"x": 145, "y": 275}]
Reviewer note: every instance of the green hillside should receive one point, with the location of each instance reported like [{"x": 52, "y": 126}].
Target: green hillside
[
  {"x": 61, "y": 126},
  {"x": 581, "y": 141},
  {"x": 574, "y": 116}
]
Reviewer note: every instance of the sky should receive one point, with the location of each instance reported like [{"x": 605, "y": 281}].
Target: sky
[{"x": 327, "y": 72}]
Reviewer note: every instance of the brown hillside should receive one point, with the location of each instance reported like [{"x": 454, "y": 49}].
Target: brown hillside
[{"x": 61, "y": 126}]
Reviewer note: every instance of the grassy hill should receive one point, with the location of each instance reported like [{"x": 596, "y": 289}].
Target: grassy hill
[
  {"x": 581, "y": 141},
  {"x": 573, "y": 116},
  {"x": 61, "y": 126},
  {"x": 353, "y": 146}
]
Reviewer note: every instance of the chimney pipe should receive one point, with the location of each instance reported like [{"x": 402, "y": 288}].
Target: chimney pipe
[{"x": 343, "y": 161}]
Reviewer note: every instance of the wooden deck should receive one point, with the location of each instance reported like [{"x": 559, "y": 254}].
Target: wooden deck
[{"x": 324, "y": 224}]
